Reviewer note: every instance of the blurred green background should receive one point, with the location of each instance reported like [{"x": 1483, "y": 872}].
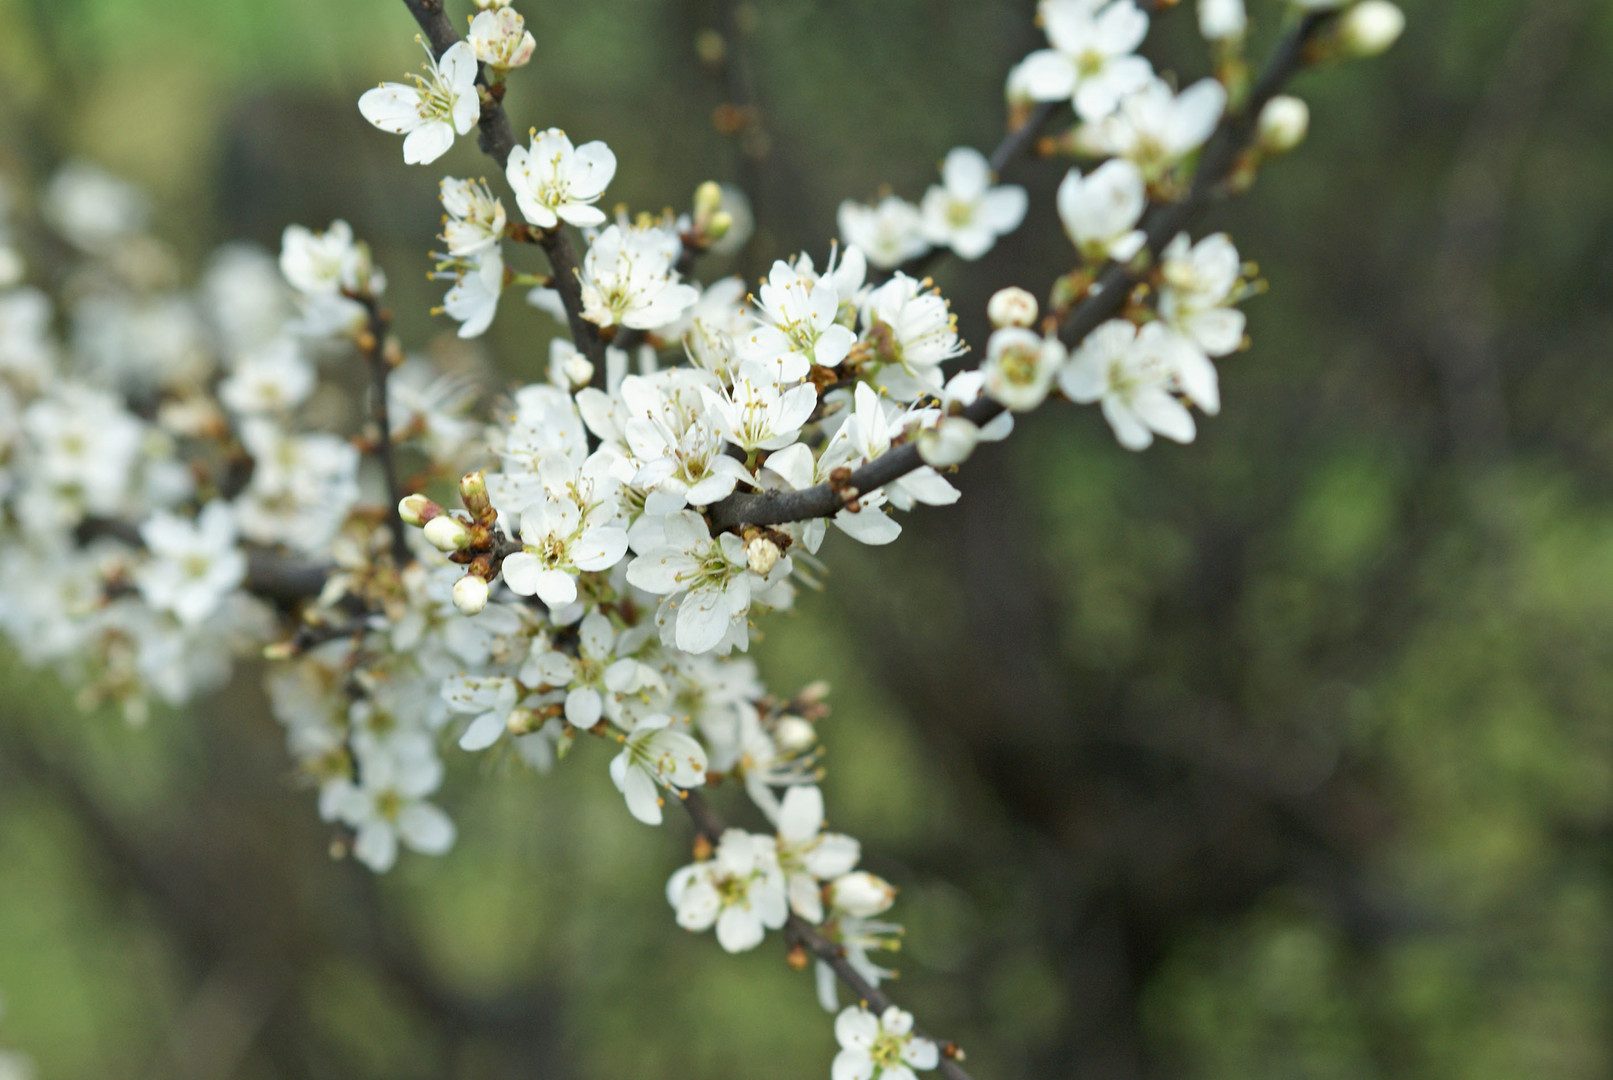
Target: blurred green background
[{"x": 1282, "y": 755}]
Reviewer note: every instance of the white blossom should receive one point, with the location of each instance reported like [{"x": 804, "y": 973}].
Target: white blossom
[
  {"x": 563, "y": 533},
  {"x": 554, "y": 181},
  {"x": 1100, "y": 211},
  {"x": 807, "y": 854},
  {"x": 890, "y": 233},
  {"x": 881, "y": 1046},
  {"x": 1020, "y": 367},
  {"x": 1155, "y": 127},
  {"x": 193, "y": 564},
  {"x": 628, "y": 278},
  {"x": 740, "y": 890},
  {"x": 655, "y": 756},
  {"x": 1131, "y": 374},
  {"x": 501, "y": 39},
  {"x": 475, "y": 219},
  {"x": 433, "y": 110},
  {"x": 964, "y": 212},
  {"x": 1092, "y": 62}
]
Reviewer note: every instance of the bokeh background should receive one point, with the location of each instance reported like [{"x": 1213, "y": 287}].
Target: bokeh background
[{"x": 1286, "y": 754}]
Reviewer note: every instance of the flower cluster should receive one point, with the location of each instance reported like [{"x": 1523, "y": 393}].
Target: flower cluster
[{"x": 167, "y": 502}]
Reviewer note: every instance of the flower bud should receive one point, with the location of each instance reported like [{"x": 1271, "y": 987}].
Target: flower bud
[
  {"x": 446, "y": 534},
  {"x": 579, "y": 371},
  {"x": 860, "y": 894},
  {"x": 473, "y": 491},
  {"x": 522, "y": 722},
  {"x": 718, "y": 225},
  {"x": 417, "y": 510},
  {"x": 761, "y": 555},
  {"x": 707, "y": 200},
  {"x": 948, "y": 443},
  {"x": 1284, "y": 123},
  {"x": 470, "y": 594},
  {"x": 1012, "y": 306},
  {"x": 1370, "y": 27},
  {"x": 794, "y": 735}
]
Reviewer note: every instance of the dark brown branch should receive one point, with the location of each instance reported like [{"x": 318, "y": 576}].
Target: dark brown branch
[
  {"x": 496, "y": 140},
  {"x": 382, "y": 356},
  {"x": 1221, "y": 154},
  {"x": 709, "y": 824}
]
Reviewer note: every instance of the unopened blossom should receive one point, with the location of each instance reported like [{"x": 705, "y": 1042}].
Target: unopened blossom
[
  {"x": 271, "y": 379},
  {"x": 890, "y": 232},
  {"x": 796, "y": 325},
  {"x": 562, "y": 536},
  {"x": 1012, "y": 306},
  {"x": 1093, "y": 61},
  {"x": 474, "y": 218},
  {"x": 501, "y": 39},
  {"x": 472, "y": 301},
  {"x": 1222, "y": 20},
  {"x": 860, "y": 894},
  {"x": 881, "y": 1046},
  {"x": 655, "y": 756},
  {"x": 807, "y": 854},
  {"x": 432, "y": 111},
  {"x": 913, "y": 332},
  {"x": 965, "y": 212},
  {"x": 705, "y": 580},
  {"x": 1371, "y": 27},
  {"x": 1100, "y": 211},
  {"x": 1020, "y": 367},
  {"x": 629, "y": 279},
  {"x": 193, "y": 564},
  {"x": 1131, "y": 374},
  {"x": 740, "y": 890},
  {"x": 1155, "y": 127},
  {"x": 554, "y": 181},
  {"x": 1283, "y": 125}
]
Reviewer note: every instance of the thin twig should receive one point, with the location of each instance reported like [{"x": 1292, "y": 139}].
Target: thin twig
[
  {"x": 374, "y": 345},
  {"x": 496, "y": 140},
  {"x": 1229, "y": 142},
  {"x": 798, "y": 931}
]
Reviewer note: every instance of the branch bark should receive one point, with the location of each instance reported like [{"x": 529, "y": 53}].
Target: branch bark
[{"x": 1229, "y": 142}]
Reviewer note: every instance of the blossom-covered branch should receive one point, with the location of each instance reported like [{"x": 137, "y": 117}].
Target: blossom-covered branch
[{"x": 602, "y": 548}]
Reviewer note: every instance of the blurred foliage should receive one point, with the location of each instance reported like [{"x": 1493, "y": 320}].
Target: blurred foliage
[{"x": 1282, "y": 755}]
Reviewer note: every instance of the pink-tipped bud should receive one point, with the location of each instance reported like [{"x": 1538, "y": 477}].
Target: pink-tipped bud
[{"x": 417, "y": 510}]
